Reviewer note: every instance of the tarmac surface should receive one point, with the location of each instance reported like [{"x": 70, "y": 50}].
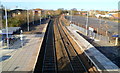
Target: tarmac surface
[{"x": 95, "y": 23}]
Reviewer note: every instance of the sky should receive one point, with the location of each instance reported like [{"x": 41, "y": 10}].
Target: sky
[{"x": 66, "y": 4}]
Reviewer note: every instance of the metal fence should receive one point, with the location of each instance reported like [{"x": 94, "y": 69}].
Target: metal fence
[{"x": 93, "y": 35}]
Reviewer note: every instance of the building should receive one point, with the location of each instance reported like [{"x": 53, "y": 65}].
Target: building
[
  {"x": 37, "y": 11},
  {"x": 13, "y": 13},
  {"x": 84, "y": 13},
  {"x": 92, "y": 13},
  {"x": 16, "y": 12}
]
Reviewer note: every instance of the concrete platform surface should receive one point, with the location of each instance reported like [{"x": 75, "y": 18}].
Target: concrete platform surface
[{"x": 23, "y": 58}]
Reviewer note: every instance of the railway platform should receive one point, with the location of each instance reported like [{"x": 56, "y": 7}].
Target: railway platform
[
  {"x": 23, "y": 59},
  {"x": 101, "y": 62}
]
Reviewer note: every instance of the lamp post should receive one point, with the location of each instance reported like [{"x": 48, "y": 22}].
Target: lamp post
[
  {"x": 40, "y": 16},
  {"x": 7, "y": 32},
  {"x": 70, "y": 13},
  {"x": 6, "y": 28},
  {"x": 87, "y": 24},
  {"x": 33, "y": 16},
  {"x": 1, "y": 7},
  {"x": 71, "y": 16},
  {"x": 1, "y": 22},
  {"x": 100, "y": 21},
  {"x": 28, "y": 20},
  {"x": 21, "y": 37}
]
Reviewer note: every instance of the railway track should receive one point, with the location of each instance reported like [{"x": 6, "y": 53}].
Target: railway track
[
  {"x": 74, "y": 59},
  {"x": 58, "y": 54},
  {"x": 63, "y": 60},
  {"x": 49, "y": 60}
]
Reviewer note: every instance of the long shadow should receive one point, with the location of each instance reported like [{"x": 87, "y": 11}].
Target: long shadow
[
  {"x": 89, "y": 66},
  {"x": 15, "y": 44},
  {"x": 78, "y": 69},
  {"x": 66, "y": 66},
  {"x": 38, "y": 67},
  {"x": 110, "y": 53}
]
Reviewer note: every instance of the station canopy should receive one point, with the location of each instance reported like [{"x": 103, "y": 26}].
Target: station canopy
[{"x": 10, "y": 30}]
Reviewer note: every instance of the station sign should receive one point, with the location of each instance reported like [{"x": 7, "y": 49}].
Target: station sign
[{"x": 115, "y": 35}]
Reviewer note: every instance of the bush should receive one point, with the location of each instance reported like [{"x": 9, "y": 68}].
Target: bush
[{"x": 13, "y": 22}]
